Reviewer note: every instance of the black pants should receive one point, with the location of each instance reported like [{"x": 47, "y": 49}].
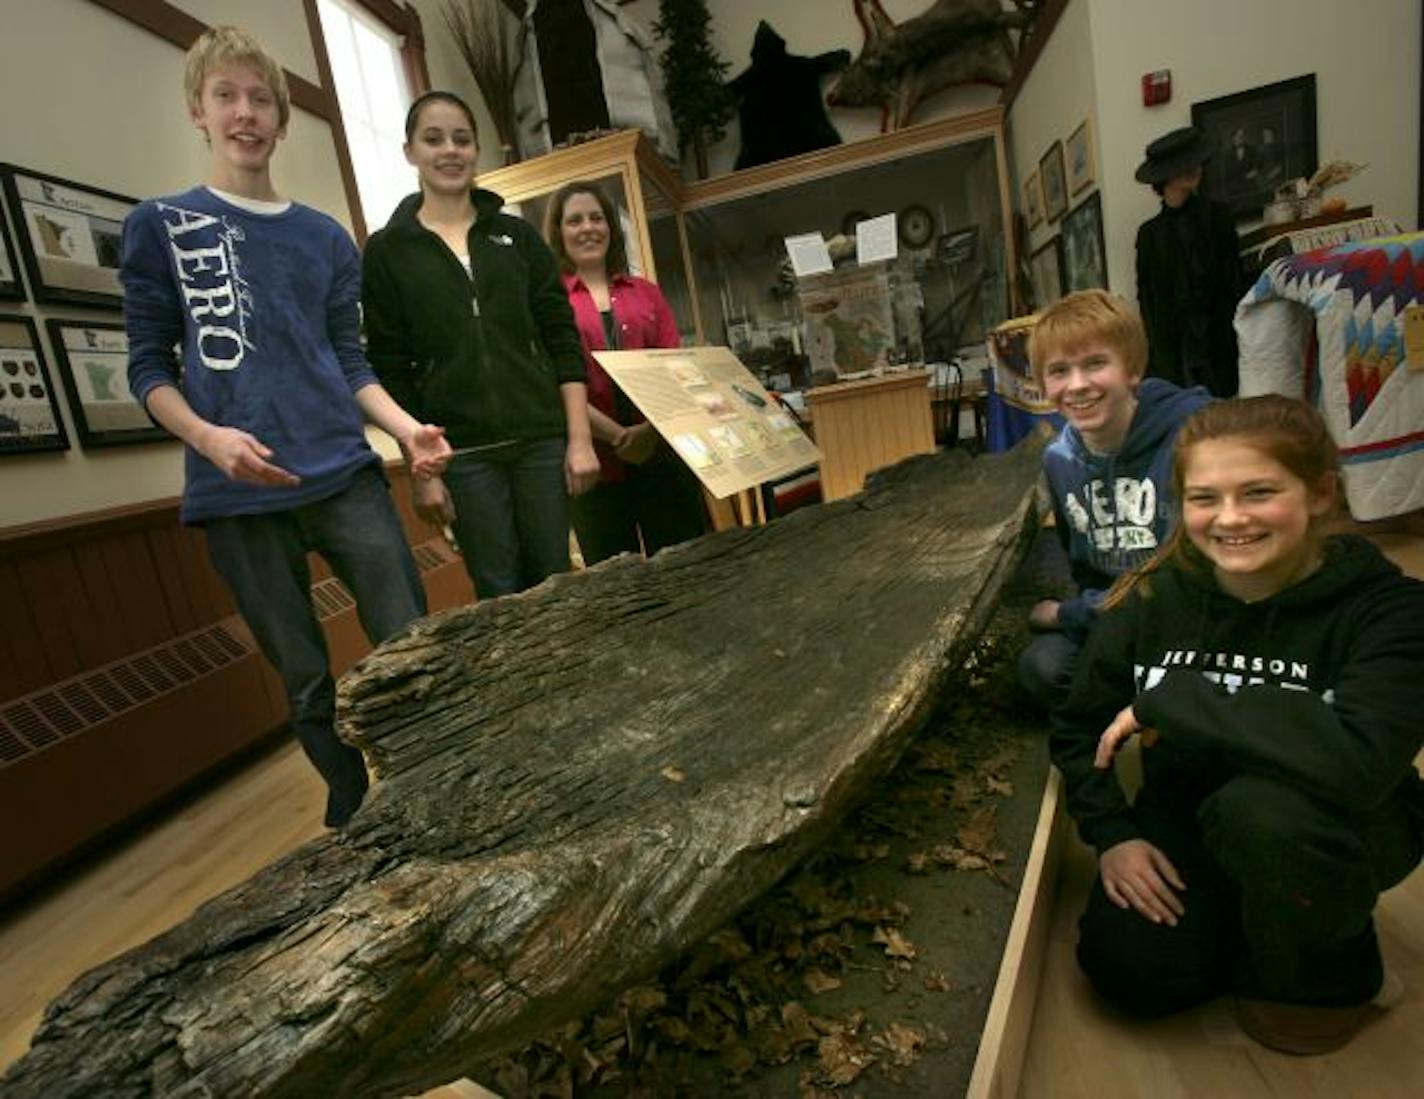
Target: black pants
[
  {"x": 1280, "y": 891},
  {"x": 661, "y": 499}
]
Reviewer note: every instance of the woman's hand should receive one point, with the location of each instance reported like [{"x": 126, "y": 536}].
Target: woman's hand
[
  {"x": 637, "y": 444},
  {"x": 432, "y": 501},
  {"x": 1138, "y": 875},
  {"x": 1044, "y": 615},
  {"x": 1118, "y": 730},
  {"x": 580, "y": 467}
]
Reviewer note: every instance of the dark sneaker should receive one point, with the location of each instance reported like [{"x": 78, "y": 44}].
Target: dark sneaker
[
  {"x": 1303, "y": 1029},
  {"x": 342, "y": 801}
]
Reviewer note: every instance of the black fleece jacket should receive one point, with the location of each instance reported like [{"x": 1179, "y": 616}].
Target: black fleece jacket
[
  {"x": 1320, "y": 686},
  {"x": 481, "y": 355}
]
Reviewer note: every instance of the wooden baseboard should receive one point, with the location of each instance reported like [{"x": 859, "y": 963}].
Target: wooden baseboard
[{"x": 1006, "y": 1029}]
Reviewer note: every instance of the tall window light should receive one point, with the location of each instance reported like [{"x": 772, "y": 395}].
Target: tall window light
[{"x": 373, "y": 91}]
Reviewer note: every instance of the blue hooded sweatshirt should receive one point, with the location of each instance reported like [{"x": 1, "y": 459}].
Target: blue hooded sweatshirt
[{"x": 1114, "y": 510}]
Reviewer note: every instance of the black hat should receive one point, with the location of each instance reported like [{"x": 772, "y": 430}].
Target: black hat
[{"x": 1174, "y": 154}]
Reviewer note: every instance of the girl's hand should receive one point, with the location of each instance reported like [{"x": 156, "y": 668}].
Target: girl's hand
[
  {"x": 1121, "y": 727},
  {"x": 1044, "y": 615},
  {"x": 1138, "y": 875},
  {"x": 637, "y": 444},
  {"x": 580, "y": 467},
  {"x": 426, "y": 451},
  {"x": 432, "y": 501}
]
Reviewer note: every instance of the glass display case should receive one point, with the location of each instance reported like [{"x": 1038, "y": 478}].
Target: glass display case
[{"x": 716, "y": 247}]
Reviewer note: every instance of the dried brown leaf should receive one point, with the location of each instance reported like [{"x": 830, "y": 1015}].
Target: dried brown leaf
[
  {"x": 673, "y": 774},
  {"x": 817, "y": 980},
  {"x": 935, "y": 981},
  {"x": 917, "y": 863},
  {"x": 1001, "y": 787},
  {"x": 841, "y": 1058},
  {"x": 896, "y": 945},
  {"x": 902, "y": 1041},
  {"x": 977, "y": 833}
]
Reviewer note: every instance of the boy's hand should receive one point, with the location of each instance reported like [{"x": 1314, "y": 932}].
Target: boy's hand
[
  {"x": 243, "y": 457},
  {"x": 432, "y": 501},
  {"x": 580, "y": 467},
  {"x": 426, "y": 451},
  {"x": 1044, "y": 615},
  {"x": 1138, "y": 875},
  {"x": 638, "y": 444},
  {"x": 1118, "y": 730}
]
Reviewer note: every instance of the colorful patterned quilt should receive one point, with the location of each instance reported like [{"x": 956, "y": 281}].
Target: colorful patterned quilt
[{"x": 1328, "y": 326}]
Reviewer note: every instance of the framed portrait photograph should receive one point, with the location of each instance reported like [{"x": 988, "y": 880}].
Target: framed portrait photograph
[
  {"x": 93, "y": 362},
  {"x": 1055, "y": 184},
  {"x": 1085, "y": 264},
  {"x": 1081, "y": 168},
  {"x": 1046, "y": 269},
  {"x": 69, "y": 236},
  {"x": 1259, "y": 139},
  {"x": 10, "y": 286},
  {"x": 29, "y": 410},
  {"x": 1033, "y": 200}
]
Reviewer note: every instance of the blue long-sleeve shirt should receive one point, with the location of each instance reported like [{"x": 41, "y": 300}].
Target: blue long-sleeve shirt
[{"x": 255, "y": 318}]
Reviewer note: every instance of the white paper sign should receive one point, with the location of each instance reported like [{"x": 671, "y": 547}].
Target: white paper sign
[
  {"x": 808, "y": 254},
  {"x": 875, "y": 239}
]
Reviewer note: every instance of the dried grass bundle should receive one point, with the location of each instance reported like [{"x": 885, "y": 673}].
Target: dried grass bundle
[{"x": 478, "y": 29}]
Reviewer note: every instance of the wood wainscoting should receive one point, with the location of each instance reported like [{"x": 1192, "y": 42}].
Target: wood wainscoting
[
  {"x": 126, "y": 674},
  {"x": 865, "y": 425}
]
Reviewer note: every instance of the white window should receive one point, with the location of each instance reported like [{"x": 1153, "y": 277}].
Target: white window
[{"x": 374, "y": 95}]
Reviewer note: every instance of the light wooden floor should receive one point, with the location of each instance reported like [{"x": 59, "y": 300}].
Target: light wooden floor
[{"x": 1077, "y": 1050}]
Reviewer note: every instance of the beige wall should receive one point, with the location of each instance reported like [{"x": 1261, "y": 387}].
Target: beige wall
[
  {"x": 104, "y": 106},
  {"x": 1059, "y": 94},
  {"x": 1365, "y": 56}
]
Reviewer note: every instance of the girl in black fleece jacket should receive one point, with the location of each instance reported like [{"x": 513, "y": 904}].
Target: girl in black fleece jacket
[{"x": 1276, "y": 676}]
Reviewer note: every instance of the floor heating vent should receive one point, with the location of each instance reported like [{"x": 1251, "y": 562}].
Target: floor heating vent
[{"x": 35, "y": 721}]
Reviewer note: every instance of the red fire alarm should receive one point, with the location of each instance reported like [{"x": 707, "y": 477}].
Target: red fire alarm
[{"x": 1156, "y": 87}]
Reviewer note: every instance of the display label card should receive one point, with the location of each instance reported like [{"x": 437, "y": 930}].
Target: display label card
[
  {"x": 1414, "y": 337},
  {"x": 808, "y": 253},
  {"x": 716, "y": 416},
  {"x": 875, "y": 239}
]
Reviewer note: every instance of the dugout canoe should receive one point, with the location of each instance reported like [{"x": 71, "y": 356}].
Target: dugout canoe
[{"x": 577, "y": 784}]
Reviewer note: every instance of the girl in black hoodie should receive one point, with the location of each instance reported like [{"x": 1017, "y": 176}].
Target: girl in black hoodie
[{"x": 1276, "y": 676}]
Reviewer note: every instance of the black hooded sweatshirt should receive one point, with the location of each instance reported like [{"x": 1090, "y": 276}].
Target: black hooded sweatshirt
[
  {"x": 1320, "y": 686},
  {"x": 481, "y": 354}
]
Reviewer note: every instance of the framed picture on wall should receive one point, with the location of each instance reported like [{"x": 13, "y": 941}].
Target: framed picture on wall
[
  {"x": 1055, "y": 184},
  {"x": 29, "y": 410},
  {"x": 1085, "y": 264},
  {"x": 1046, "y": 269},
  {"x": 10, "y": 286},
  {"x": 68, "y": 235},
  {"x": 1081, "y": 168},
  {"x": 1033, "y": 200},
  {"x": 93, "y": 361},
  {"x": 1259, "y": 139}
]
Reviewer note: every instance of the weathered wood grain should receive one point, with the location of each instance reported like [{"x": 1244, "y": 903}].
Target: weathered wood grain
[{"x": 578, "y": 783}]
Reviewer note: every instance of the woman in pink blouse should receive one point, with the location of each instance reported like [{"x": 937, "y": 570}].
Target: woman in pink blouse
[{"x": 646, "y": 498}]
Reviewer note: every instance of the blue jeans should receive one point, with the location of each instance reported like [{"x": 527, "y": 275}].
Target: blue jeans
[
  {"x": 263, "y": 561},
  {"x": 511, "y": 515},
  {"x": 1046, "y": 667}
]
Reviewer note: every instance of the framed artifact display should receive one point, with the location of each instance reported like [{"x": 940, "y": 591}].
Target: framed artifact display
[
  {"x": 93, "y": 361},
  {"x": 1259, "y": 139},
  {"x": 1055, "y": 184},
  {"x": 29, "y": 412},
  {"x": 1085, "y": 264},
  {"x": 1033, "y": 200},
  {"x": 10, "y": 286},
  {"x": 69, "y": 237},
  {"x": 1081, "y": 168},
  {"x": 1046, "y": 267}
]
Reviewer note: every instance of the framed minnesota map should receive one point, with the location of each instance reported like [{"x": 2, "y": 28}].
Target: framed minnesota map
[
  {"x": 93, "y": 361},
  {"x": 69, "y": 236}
]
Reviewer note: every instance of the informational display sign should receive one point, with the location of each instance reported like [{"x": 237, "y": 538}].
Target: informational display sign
[{"x": 714, "y": 413}]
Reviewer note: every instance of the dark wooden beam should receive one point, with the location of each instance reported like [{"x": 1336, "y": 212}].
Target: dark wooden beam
[
  {"x": 175, "y": 25},
  {"x": 1030, "y": 46}
]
